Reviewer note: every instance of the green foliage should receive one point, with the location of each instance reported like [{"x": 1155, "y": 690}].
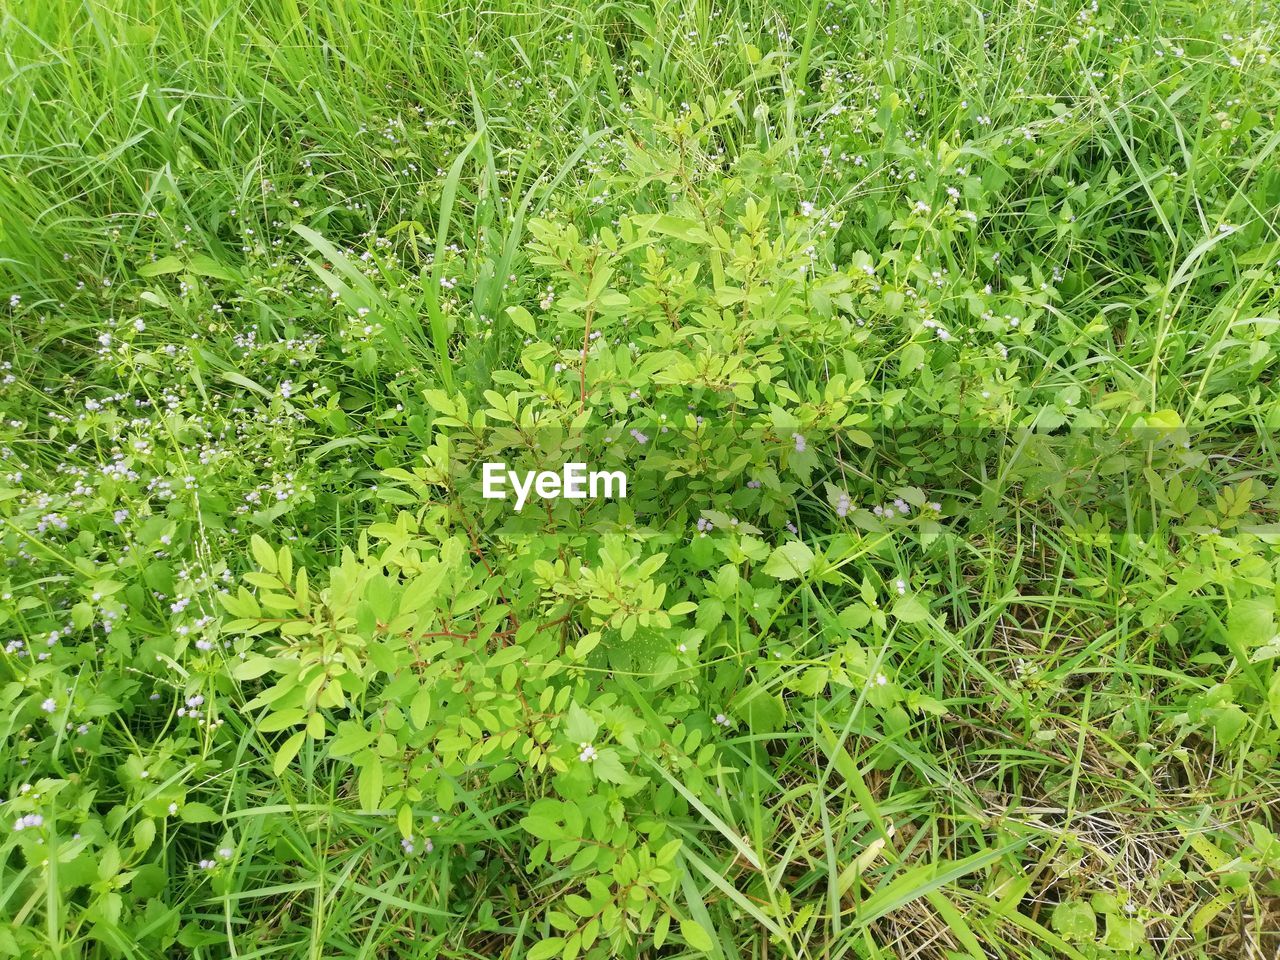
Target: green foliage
[{"x": 937, "y": 343}]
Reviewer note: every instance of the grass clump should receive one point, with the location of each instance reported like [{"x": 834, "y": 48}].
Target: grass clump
[{"x": 937, "y": 341}]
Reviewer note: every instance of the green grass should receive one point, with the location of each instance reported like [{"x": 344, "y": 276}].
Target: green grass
[{"x": 278, "y": 277}]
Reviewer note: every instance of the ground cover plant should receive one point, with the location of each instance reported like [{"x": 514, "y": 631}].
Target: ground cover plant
[{"x": 937, "y": 341}]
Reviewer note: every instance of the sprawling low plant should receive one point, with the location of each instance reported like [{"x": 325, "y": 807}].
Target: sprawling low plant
[{"x": 936, "y": 344}]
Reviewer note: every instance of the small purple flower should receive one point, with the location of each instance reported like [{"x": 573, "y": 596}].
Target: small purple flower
[
  {"x": 799, "y": 442},
  {"x": 843, "y": 505},
  {"x": 49, "y": 705}
]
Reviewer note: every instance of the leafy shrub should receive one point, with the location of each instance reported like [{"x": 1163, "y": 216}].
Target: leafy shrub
[{"x": 936, "y": 345}]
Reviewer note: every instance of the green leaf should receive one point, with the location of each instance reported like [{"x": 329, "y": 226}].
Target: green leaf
[
  {"x": 762, "y": 709},
  {"x": 170, "y": 264},
  {"x": 204, "y": 265},
  {"x": 1163, "y": 420},
  {"x": 253, "y": 668},
  {"x": 371, "y": 784},
  {"x": 791, "y": 560},
  {"x": 608, "y": 767},
  {"x": 1075, "y": 921},
  {"x": 419, "y": 591},
  {"x": 199, "y": 813},
  {"x": 1252, "y": 622},
  {"x": 909, "y": 609},
  {"x": 523, "y": 319},
  {"x": 81, "y": 615},
  {"x": 923, "y": 703},
  {"x": 144, "y": 834},
  {"x": 350, "y": 739},
  {"x": 288, "y": 751},
  {"x": 677, "y": 227},
  {"x": 1125, "y": 933},
  {"x": 1229, "y": 723},
  {"x": 545, "y": 948},
  {"x": 420, "y": 707},
  {"x": 240, "y": 380},
  {"x": 282, "y": 721},
  {"x": 263, "y": 554},
  {"x": 542, "y": 827},
  {"x": 912, "y": 356},
  {"x": 696, "y": 935},
  {"x": 579, "y": 725}
]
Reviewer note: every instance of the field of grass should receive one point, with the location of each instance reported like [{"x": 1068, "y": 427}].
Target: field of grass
[{"x": 938, "y": 342}]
